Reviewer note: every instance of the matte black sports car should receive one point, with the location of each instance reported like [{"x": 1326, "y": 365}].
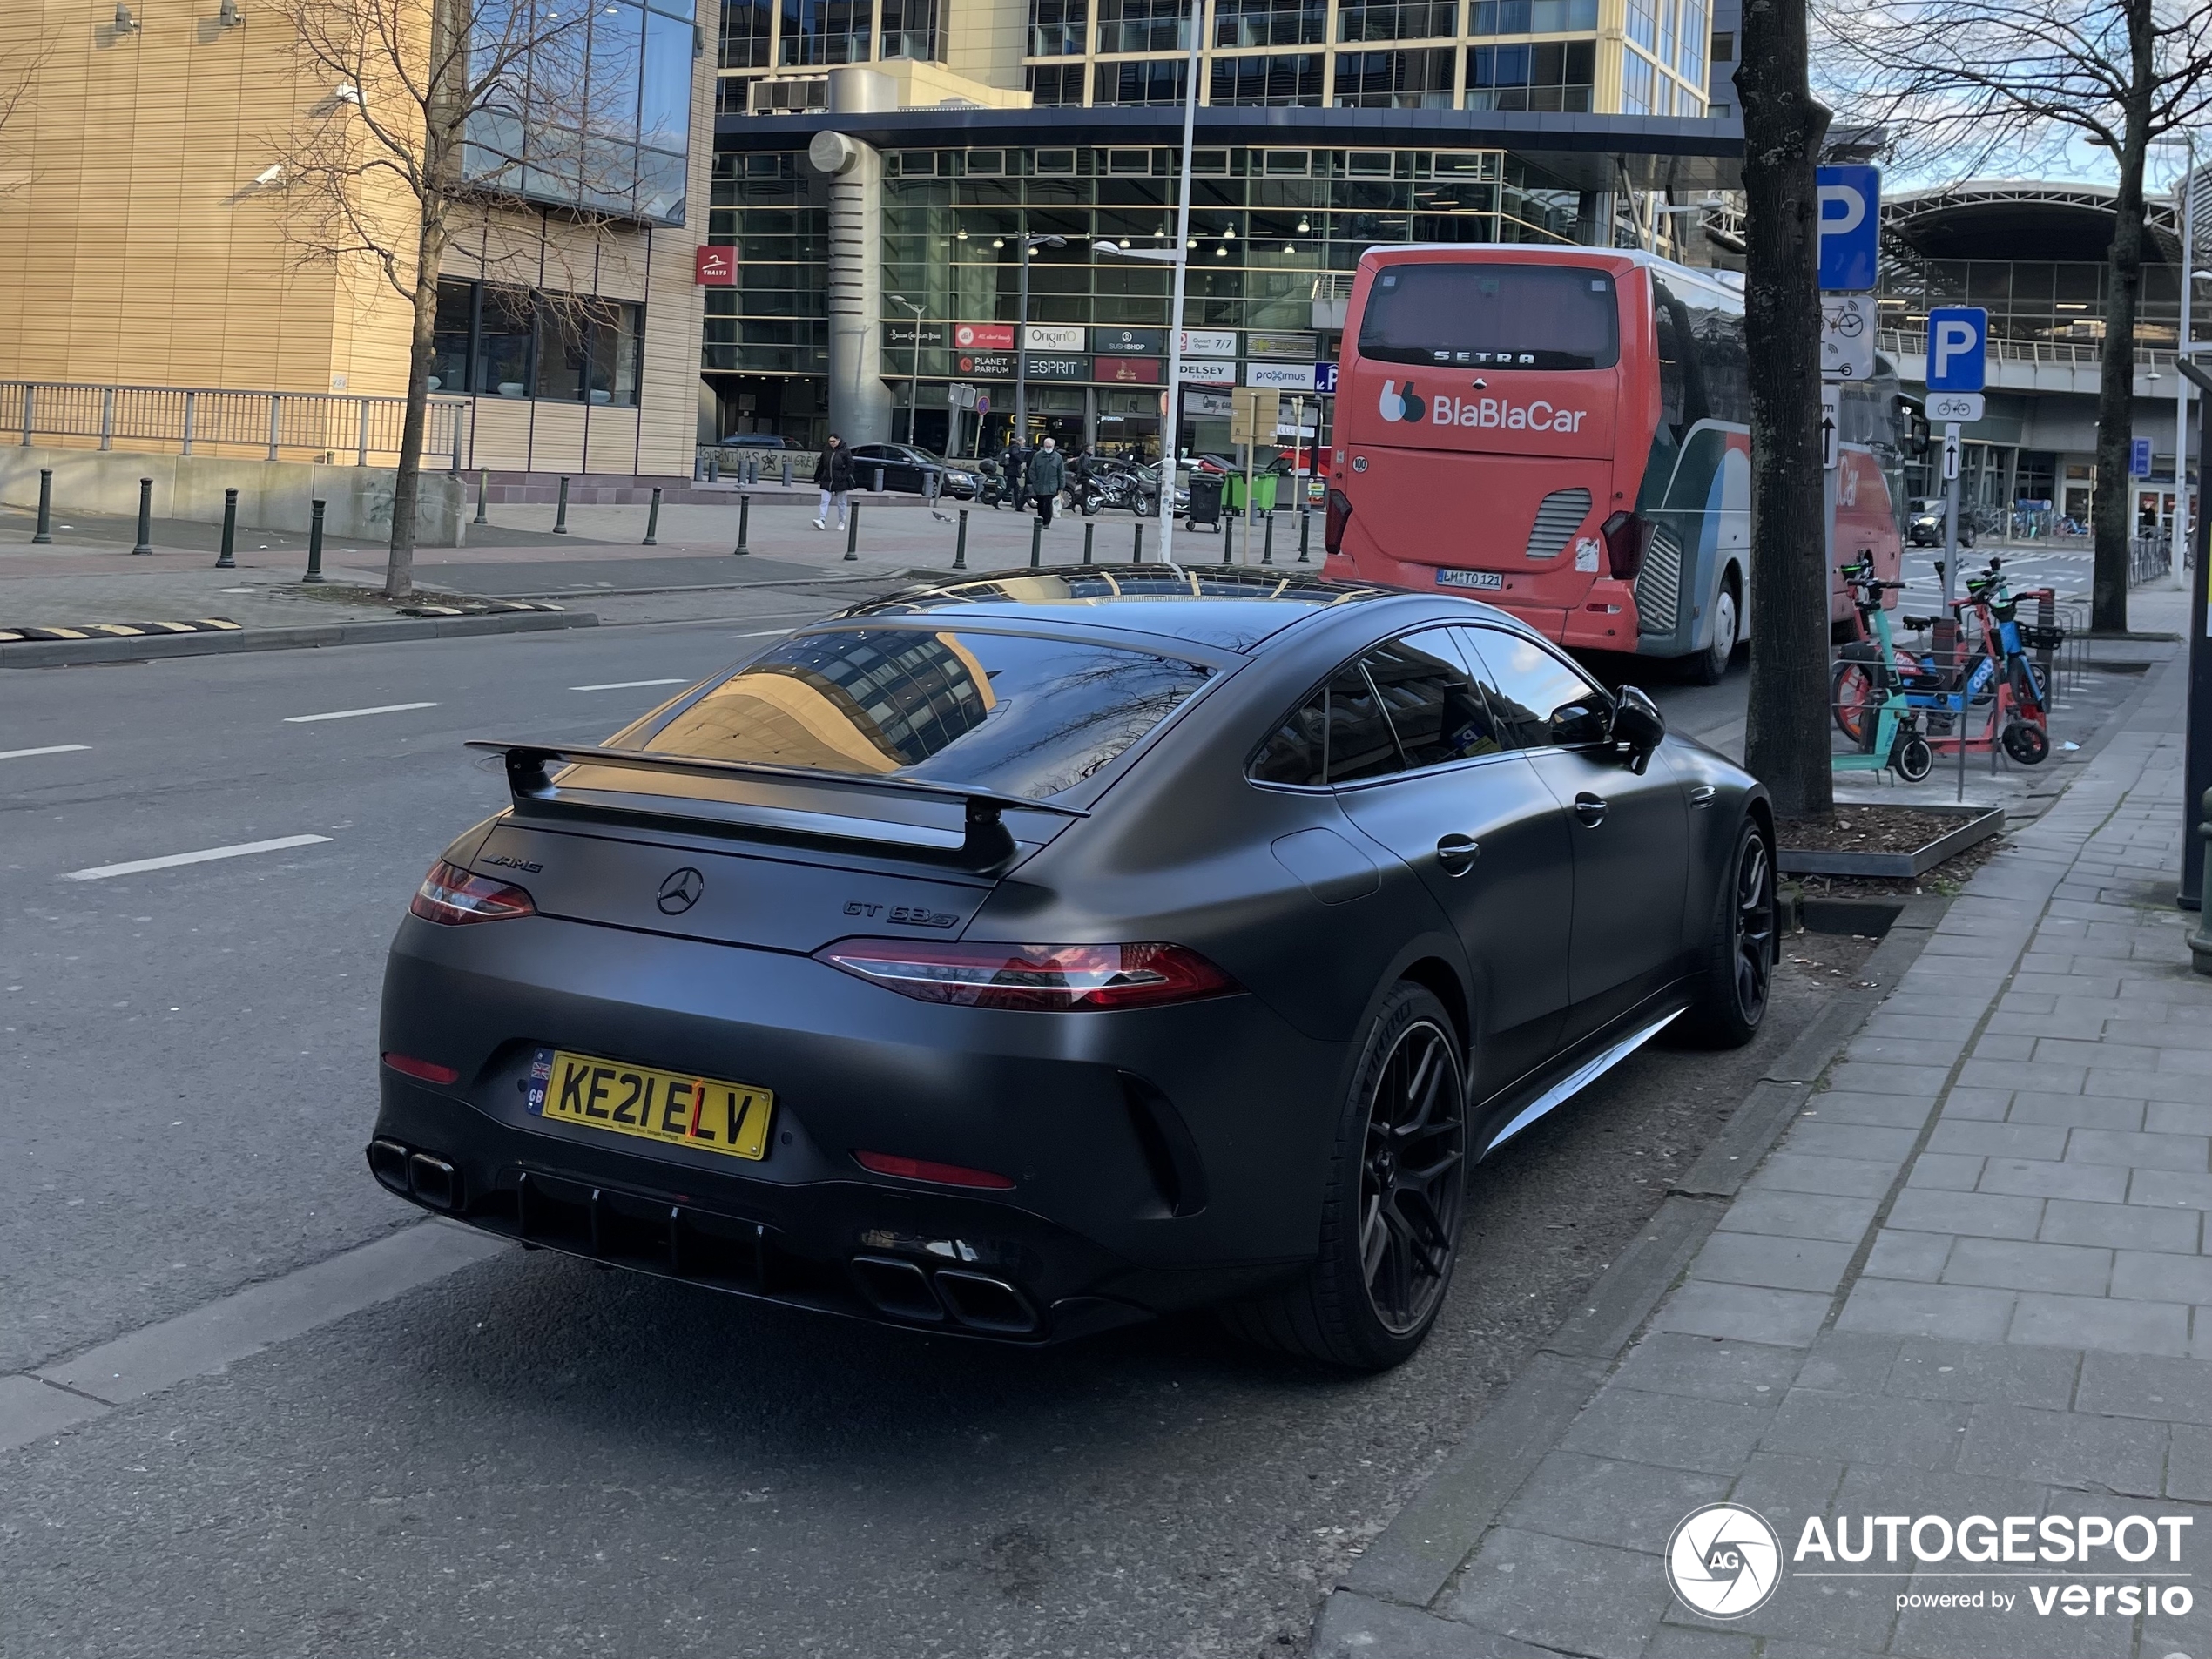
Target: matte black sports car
[{"x": 1029, "y": 954}]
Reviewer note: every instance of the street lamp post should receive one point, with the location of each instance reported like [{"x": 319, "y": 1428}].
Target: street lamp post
[
  {"x": 2185, "y": 212},
  {"x": 913, "y": 380},
  {"x": 1172, "y": 408},
  {"x": 1029, "y": 245}
]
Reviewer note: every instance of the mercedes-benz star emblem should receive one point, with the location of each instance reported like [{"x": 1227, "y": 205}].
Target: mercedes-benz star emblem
[{"x": 680, "y": 890}]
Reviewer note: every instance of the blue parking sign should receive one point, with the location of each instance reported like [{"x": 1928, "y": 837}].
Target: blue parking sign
[
  {"x": 2139, "y": 458},
  {"x": 1958, "y": 347},
  {"x": 1851, "y": 224},
  {"x": 1325, "y": 379}
]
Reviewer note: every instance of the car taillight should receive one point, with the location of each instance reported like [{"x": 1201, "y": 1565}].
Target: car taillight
[
  {"x": 449, "y": 894},
  {"x": 1339, "y": 515},
  {"x": 1049, "y": 978},
  {"x": 1626, "y": 538},
  {"x": 428, "y": 1070},
  {"x": 949, "y": 1175}
]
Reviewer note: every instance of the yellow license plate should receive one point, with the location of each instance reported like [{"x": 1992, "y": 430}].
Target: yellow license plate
[{"x": 674, "y": 1108}]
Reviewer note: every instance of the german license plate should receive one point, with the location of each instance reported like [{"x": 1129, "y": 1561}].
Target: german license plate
[
  {"x": 1487, "y": 581},
  {"x": 674, "y": 1108}
]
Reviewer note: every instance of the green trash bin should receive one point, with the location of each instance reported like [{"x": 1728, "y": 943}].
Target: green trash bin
[{"x": 1262, "y": 494}]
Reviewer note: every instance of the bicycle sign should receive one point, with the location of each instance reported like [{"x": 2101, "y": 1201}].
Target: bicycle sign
[{"x": 1846, "y": 336}]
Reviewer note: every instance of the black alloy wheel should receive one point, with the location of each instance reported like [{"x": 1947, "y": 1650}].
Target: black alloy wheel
[
  {"x": 1754, "y": 951},
  {"x": 1739, "y": 952},
  {"x": 1392, "y": 1208},
  {"x": 1411, "y": 1185}
]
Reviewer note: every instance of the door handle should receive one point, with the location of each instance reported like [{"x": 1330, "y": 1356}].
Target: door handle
[
  {"x": 1590, "y": 809},
  {"x": 1457, "y": 853},
  {"x": 1702, "y": 796}
]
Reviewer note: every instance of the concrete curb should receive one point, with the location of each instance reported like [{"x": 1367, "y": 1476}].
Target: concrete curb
[
  {"x": 64, "y": 653},
  {"x": 1378, "y": 1609}
]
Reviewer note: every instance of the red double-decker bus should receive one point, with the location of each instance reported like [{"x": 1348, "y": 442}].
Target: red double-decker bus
[{"x": 1564, "y": 432}]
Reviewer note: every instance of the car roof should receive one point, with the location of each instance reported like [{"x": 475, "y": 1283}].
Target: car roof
[{"x": 1235, "y": 610}]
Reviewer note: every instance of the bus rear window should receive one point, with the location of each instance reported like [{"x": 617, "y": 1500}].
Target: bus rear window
[{"x": 1491, "y": 316}]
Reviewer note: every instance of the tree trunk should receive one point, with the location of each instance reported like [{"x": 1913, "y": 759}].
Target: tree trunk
[
  {"x": 406, "y": 480},
  {"x": 2114, "y": 514},
  {"x": 1786, "y": 742}
]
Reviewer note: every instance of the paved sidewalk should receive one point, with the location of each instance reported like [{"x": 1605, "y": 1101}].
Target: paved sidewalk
[{"x": 1971, "y": 1280}]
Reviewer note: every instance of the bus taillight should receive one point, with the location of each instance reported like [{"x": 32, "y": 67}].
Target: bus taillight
[
  {"x": 1339, "y": 515},
  {"x": 1626, "y": 538}
]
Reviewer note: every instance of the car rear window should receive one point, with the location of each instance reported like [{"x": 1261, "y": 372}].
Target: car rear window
[
  {"x": 1496, "y": 316},
  {"x": 1024, "y": 715}
]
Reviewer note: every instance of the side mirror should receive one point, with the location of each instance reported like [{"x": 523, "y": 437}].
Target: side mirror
[
  {"x": 1638, "y": 727},
  {"x": 1576, "y": 726}
]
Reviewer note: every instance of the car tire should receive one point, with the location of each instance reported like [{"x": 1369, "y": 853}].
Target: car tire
[
  {"x": 1710, "y": 666},
  {"x": 1369, "y": 1301},
  {"x": 1737, "y": 973}
]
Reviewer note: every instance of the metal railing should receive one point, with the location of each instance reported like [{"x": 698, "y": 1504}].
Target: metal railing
[
  {"x": 2081, "y": 354},
  {"x": 325, "y": 426}
]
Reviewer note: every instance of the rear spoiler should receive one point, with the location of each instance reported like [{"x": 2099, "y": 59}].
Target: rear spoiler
[{"x": 987, "y": 843}]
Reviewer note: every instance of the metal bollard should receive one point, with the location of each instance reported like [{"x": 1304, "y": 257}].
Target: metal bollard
[
  {"x": 1228, "y": 541},
  {"x": 483, "y": 491},
  {"x": 878, "y": 481},
  {"x": 652, "y": 521},
  {"x": 227, "y": 561},
  {"x": 45, "y": 532},
  {"x": 145, "y": 517},
  {"x": 561, "y": 513},
  {"x": 1267, "y": 543},
  {"x": 960, "y": 546},
  {"x": 1088, "y": 531},
  {"x": 714, "y": 466},
  {"x": 1136, "y": 554},
  {"x": 1037, "y": 543},
  {"x": 853, "y": 532},
  {"x": 1304, "y": 530},
  {"x": 786, "y": 472},
  {"x": 315, "y": 543},
  {"x": 745, "y": 527}
]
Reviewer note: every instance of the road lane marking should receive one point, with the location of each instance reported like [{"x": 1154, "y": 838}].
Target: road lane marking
[
  {"x": 101, "y": 872},
  {"x": 608, "y": 685},
  {"x": 50, "y": 749},
  {"x": 354, "y": 714},
  {"x": 217, "y": 1334}
]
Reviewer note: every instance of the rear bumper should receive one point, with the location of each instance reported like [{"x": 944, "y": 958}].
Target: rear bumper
[{"x": 1161, "y": 1159}]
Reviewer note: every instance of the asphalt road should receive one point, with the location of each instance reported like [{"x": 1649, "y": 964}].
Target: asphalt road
[{"x": 534, "y": 1458}]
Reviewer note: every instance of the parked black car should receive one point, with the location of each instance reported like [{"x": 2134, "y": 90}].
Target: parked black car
[
  {"x": 906, "y": 469},
  {"x": 1024, "y": 956}
]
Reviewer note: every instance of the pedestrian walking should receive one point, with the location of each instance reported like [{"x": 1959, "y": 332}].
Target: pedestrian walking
[
  {"x": 1015, "y": 463},
  {"x": 1048, "y": 472},
  {"x": 833, "y": 477}
]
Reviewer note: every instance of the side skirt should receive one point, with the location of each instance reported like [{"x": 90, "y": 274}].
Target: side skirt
[{"x": 1581, "y": 1078}]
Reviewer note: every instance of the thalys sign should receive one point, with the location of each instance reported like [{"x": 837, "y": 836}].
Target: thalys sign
[{"x": 1487, "y": 413}]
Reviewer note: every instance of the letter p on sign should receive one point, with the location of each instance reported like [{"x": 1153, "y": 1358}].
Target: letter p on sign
[
  {"x": 1850, "y": 204},
  {"x": 1957, "y": 340}
]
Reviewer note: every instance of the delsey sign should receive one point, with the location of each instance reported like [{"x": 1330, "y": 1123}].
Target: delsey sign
[
  {"x": 1206, "y": 372},
  {"x": 1486, "y": 414}
]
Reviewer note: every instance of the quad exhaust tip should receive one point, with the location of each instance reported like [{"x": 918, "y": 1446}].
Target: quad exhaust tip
[
  {"x": 430, "y": 1181},
  {"x": 905, "y": 1290},
  {"x": 983, "y": 1304}
]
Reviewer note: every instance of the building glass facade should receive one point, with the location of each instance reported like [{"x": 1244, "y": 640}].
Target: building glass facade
[{"x": 1273, "y": 230}]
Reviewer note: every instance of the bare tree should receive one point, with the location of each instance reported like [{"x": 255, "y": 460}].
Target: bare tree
[
  {"x": 417, "y": 144},
  {"x": 19, "y": 67},
  {"x": 1786, "y": 742},
  {"x": 1974, "y": 81}
]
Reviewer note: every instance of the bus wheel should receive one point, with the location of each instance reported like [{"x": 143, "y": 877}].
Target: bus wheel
[{"x": 1710, "y": 666}]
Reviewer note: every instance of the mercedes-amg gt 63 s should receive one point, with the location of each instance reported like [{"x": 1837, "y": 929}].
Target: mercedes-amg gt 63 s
[{"x": 1034, "y": 953}]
